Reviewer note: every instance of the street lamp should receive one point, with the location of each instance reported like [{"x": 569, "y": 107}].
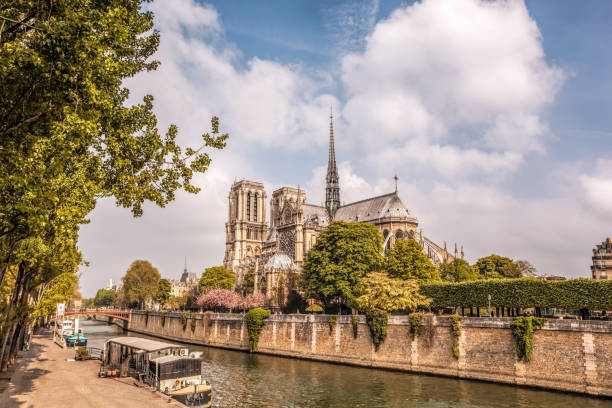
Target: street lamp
[{"x": 489, "y": 299}]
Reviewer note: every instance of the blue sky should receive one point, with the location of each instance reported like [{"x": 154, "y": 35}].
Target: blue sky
[{"x": 495, "y": 115}]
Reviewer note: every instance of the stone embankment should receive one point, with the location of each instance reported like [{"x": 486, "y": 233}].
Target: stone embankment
[
  {"x": 568, "y": 355},
  {"x": 44, "y": 377}
]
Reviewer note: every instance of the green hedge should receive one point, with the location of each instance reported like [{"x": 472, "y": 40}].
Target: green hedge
[{"x": 527, "y": 292}]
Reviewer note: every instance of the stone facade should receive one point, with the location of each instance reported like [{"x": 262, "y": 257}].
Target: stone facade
[
  {"x": 295, "y": 225},
  {"x": 602, "y": 260},
  {"x": 573, "y": 356}
]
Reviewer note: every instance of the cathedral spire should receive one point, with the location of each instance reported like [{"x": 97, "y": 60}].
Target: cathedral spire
[{"x": 332, "y": 189}]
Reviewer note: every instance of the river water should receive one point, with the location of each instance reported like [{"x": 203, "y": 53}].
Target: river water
[{"x": 244, "y": 380}]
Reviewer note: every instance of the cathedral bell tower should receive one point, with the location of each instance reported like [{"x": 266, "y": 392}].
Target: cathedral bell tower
[{"x": 332, "y": 189}]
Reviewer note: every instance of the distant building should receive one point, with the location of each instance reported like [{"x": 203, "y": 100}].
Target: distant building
[
  {"x": 112, "y": 285},
  {"x": 602, "y": 260},
  {"x": 187, "y": 283}
]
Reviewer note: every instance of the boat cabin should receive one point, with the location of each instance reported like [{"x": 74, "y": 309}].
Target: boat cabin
[{"x": 131, "y": 355}]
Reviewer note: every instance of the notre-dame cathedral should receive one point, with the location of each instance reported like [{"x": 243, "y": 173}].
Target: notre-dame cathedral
[{"x": 282, "y": 246}]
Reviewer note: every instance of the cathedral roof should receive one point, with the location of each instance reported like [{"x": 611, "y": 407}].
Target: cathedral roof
[
  {"x": 280, "y": 261},
  {"x": 370, "y": 209},
  {"x": 316, "y": 214}
]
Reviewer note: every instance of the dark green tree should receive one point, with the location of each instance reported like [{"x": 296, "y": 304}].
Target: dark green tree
[
  {"x": 344, "y": 253},
  {"x": 140, "y": 282},
  {"x": 248, "y": 283},
  {"x": 518, "y": 269},
  {"x": 457, "y": 271},
  {"x": 217, "y": 277},
  {"x": 163, "y": 292},
  {"x": 406, "y": 260},
  {"x": 105, "y": 297},
  {"x": 492, "y": 266}
]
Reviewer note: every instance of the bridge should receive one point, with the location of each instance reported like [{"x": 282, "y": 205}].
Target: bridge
[{"x": 122, "y": 314}]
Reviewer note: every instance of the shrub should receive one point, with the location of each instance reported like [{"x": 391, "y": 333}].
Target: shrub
[
  {"x": 82, "y": 353},
  {"x": 377, "y": 321},
  {"x": 523, "y": 329},
  {"x": 163, "y": 318},
  {"x": 415, "y": 320},
  {"x": 332, "y": 323},
  {"x": 184, "y": 320},
  {"x": 314, "y": 308},
  {"x": 572, "y": 294},
  {"x": 455, "y": 321},
  {"x": 355, "y": 321},
  {"x": 255, "y": 320}
]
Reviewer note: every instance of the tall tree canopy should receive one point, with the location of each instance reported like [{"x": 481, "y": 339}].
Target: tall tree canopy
[
  {"x": 343, "y": 254},
  {"x": 492, "y": 267},
  {"x": 406, "y": 260},
  {"x": 163, "y": 291},
  {"x": 140, "y": 282},
  {"x": 217, "y": 277},
  {"x": 105, "y": 297},
  {"x": 68, "y": 136},
  {"x": 518, "y": 269},
  {"x": 457, "y": 271}
]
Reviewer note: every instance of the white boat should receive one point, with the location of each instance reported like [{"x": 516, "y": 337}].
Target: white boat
[{"x": 166, "y": 367}]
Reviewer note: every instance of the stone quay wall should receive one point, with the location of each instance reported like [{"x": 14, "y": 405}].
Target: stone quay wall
[{"x": 568, "y": 355}]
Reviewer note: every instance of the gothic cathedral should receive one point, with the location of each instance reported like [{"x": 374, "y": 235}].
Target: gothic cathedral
[{"x": 281, "y": 247}]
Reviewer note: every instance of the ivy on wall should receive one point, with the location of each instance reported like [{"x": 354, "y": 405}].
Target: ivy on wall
[
  {"x": 455, "y": 321},
  {"x": 163, "y": 318},
  {"x": 355, "y": 321},
  {"x": 377, "y": 321},
  {"x": 146, "y": 318},
  {"x": 184, "y": 320},
  {"x": 415, "y": 320},
  {"x": 332, "y": 323},
  {"x": 255, "y": 321},
  {"x": 523, "y": 329},
  {"x": 572, "y": 294}
]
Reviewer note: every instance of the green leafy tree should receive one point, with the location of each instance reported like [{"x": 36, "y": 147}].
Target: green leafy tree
[
  {"x": 384, "y": 293},
  {"x": 217, "y": 277},
  {"x": 492, "y": 266},
  {"x": 406, "y": 260},
  {"x": 105, "y": 297},
  {"x": 248, "y": 283},
  {"x": 59, "y": 290},
  {"x": 343, "y": 254},
  {"x": 68, "y": 136},
  {"x": 163, "y": 292},
  {"x": 457, "y": 271},
  {"x": 518, "y": 269},
  {"x": 140, "y": 282}
]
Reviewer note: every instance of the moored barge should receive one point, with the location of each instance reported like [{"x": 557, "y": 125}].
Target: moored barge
[{"x": 168, "y": 368}]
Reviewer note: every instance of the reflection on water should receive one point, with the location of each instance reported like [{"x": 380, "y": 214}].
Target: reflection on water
[{"x": 244, "y": 380}]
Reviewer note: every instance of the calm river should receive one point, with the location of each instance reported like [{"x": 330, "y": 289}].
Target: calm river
[{"x": 244, "y": 380}]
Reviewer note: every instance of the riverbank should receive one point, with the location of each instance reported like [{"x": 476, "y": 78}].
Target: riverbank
[
  {"x": 568, "y": 355},
  {"x": 44, "y": 377}
]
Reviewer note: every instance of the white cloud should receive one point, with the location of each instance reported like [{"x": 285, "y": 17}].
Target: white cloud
[
  {"x": 462, "y": 75},
  {"x": 597, "y": 189}
]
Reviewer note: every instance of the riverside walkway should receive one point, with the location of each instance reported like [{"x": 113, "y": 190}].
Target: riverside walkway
[{"x": 43, "y": 377}]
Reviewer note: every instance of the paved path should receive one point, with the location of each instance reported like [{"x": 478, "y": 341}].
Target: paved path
[{"x": 44, "y": 378}]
